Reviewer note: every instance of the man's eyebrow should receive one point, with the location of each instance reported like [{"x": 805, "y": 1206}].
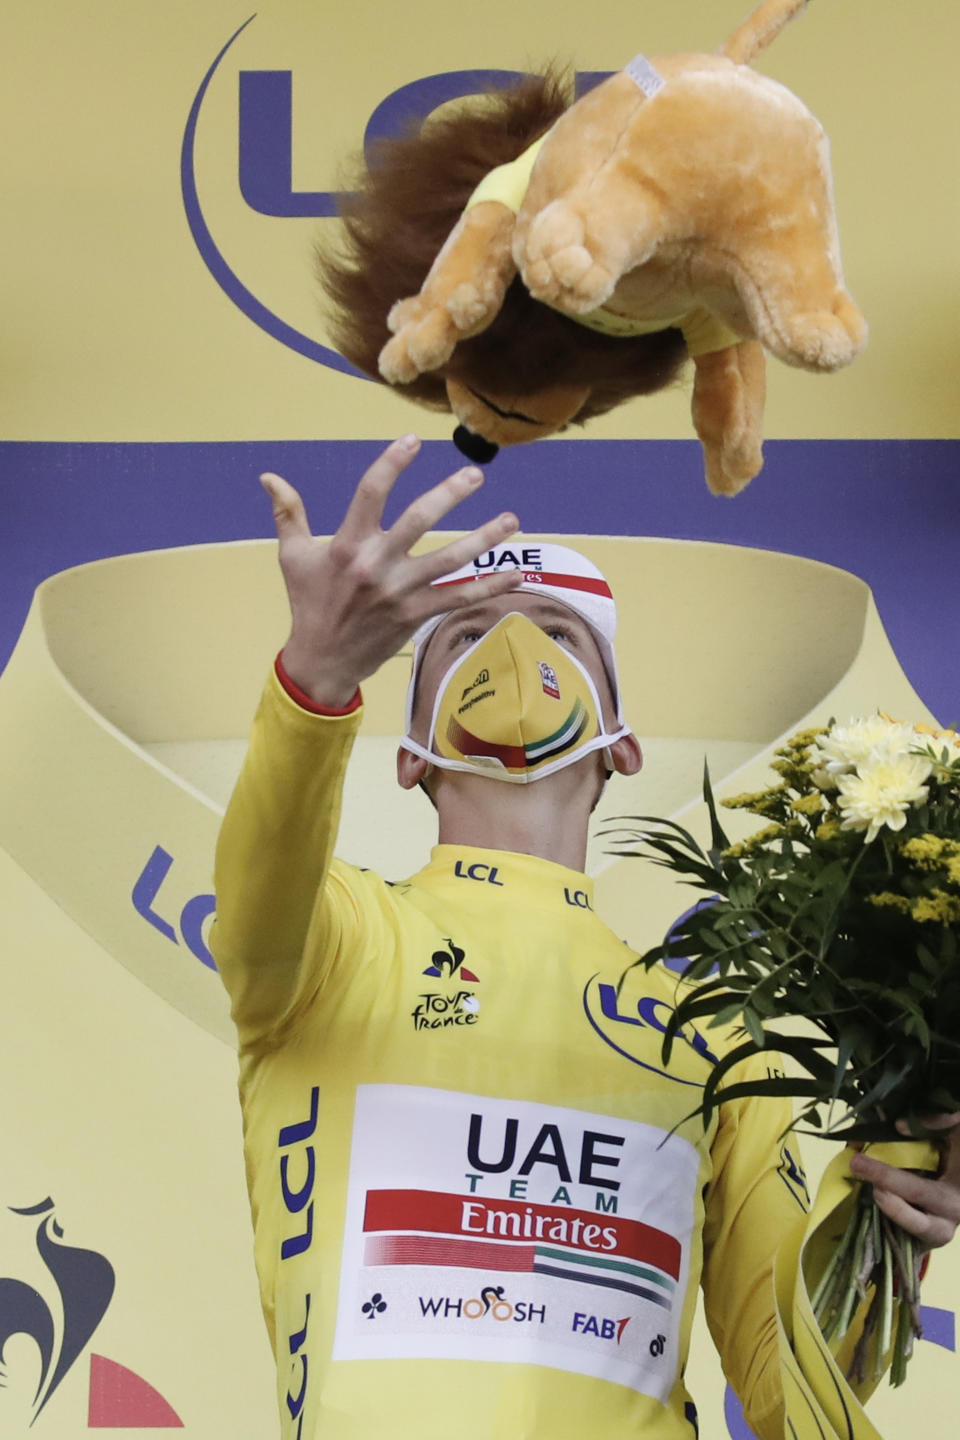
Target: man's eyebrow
[
  {"x": 469, "y": 612},
  {"x": 541, "y": 605},
  {"x": 555, "y": 607}
]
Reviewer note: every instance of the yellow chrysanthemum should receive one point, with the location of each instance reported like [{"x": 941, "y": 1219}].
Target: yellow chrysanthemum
[{"x": 882, "y": 794}]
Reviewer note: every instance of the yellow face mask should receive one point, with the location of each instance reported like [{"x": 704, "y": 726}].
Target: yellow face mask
[{"x": 516, "y": 707}]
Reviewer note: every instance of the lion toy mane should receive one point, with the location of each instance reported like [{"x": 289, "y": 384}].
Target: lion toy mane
[{"x": 531, "y": 261}]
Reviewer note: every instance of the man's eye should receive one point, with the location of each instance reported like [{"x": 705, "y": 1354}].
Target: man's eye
[
  {"x": 560, "y": 634},
  {"x": 466, "y": 635}
]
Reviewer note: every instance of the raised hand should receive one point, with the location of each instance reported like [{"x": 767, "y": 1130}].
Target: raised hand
[{"x": 357, "y": 599}]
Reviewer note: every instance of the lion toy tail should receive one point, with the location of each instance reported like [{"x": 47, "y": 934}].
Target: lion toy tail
[{"x": 761, "y": 27}]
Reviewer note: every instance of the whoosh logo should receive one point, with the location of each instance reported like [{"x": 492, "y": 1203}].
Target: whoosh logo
[{"x": 491, "y": 1304}]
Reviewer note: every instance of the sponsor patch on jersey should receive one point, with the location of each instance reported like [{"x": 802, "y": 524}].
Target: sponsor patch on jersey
[
  {"x": 453, "y": 1005},
  {"x": 482, "y": 1228}
]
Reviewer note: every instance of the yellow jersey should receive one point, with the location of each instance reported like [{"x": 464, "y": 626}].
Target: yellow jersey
[{"x": 478, "y": 1199}]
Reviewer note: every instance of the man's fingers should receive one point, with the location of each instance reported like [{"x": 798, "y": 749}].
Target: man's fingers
[
  {"x": 915, "y": 1189},
  {"x": 931, "y": 1230},
  {"x": 931, "y": 1122},
  {"x": 366, "y": 508},
  {"x": 424, "y": 513},
  {"x": 289, "y": 514},
  {"x": 927, "y": 1207},
  {"x": 439, "y": 599},
  {"x": 467, "y": 547}
]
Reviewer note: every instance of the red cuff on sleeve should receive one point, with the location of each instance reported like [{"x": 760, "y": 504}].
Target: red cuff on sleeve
[{"x": 303, "y": 699}]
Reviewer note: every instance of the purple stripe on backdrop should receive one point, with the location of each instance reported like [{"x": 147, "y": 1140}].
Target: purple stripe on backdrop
[{"x": 885, "y": 509}]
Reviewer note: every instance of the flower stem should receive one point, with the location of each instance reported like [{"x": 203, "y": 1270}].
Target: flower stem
[
  {"x": 886, "y": 1313},
  {"x": 834, "y": 1268},
  {"x": 872, "y": 1254}
]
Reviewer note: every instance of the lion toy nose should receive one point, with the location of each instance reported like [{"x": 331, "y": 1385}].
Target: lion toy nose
[{"x": 474, "y": 446}]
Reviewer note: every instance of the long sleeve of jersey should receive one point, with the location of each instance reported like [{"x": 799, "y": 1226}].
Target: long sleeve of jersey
[
  {"x": 756, "y": 1206},
  {"x": 275, "y": 878},
  {"x": 470, "y": 1173}
]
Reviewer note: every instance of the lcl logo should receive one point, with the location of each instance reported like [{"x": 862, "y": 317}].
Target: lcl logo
[{"x": 265, "y": 178}]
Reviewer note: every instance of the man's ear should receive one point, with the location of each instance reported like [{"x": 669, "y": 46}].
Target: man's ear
[
  {"x": 410, "y": 769},
  {"x": 627, "y": 755}
]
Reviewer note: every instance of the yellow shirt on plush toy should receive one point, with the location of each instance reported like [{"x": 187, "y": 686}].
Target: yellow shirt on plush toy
[{"x": 701, "y": 329}]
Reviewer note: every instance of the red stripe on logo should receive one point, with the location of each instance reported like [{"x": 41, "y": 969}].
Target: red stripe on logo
[
  {"x": 438, "y": 1250},
  {"x": 544, "y": 577},
  {"x": 580, "y": 1231}
]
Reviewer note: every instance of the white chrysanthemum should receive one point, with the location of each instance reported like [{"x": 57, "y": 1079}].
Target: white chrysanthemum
[
  {"x": 882, "y": 793},
  {"x": 847, "y": 747}
]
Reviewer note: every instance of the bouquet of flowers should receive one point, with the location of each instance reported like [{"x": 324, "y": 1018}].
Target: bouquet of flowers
[{"x": 844, "y": 911}]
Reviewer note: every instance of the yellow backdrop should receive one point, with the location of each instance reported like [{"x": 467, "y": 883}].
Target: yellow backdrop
[{"x": 123, "y": 712}]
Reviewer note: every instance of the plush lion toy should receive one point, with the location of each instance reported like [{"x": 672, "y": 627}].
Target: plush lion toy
[{"x": 540, "y": 261}]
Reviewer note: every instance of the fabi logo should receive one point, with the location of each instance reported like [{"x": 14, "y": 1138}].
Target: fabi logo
[
  {"x": 265, "y": 108},
  {"x": 599, "y": 1325},
  {"x": 53, "y": 1297}
]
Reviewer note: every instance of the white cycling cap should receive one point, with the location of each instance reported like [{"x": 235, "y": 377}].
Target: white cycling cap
[{"x": 548, "y": 569}]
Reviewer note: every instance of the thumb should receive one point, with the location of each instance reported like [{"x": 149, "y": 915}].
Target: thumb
[{"x": 289, "y": 514}]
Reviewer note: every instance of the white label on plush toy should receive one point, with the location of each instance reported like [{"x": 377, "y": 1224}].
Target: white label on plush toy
[{"x": 642, "y": 73}]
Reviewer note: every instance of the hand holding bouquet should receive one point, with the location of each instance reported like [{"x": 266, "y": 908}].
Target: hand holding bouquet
[{"x": 844, "y": 912}]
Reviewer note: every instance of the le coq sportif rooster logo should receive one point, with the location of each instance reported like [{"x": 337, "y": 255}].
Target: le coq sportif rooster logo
[{"x": 56, "y": 1301}]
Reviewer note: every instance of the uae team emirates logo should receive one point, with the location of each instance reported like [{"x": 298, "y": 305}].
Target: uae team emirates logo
[
  {"x": 473, "y": 1215},
  {"x": 422, "y": 1227}
]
